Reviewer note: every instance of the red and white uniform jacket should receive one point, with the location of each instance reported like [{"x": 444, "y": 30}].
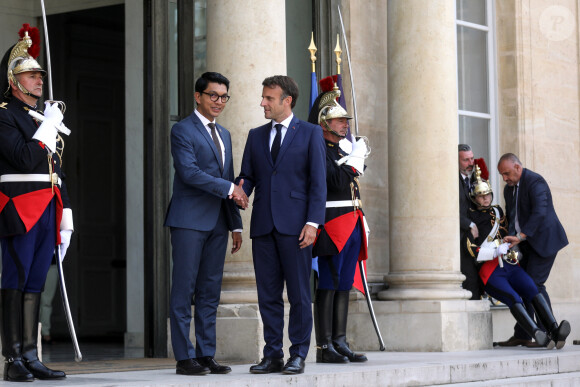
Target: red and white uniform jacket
[
  {"x": 343, "y": 206},
  {"x": 25, "y": 180},
  {"x": 485, "y": 220}
]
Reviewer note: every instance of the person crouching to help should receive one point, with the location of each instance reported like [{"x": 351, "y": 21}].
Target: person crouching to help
[
  {"x": 501, "y": 274},
  {"x": 341, "y": 241}
]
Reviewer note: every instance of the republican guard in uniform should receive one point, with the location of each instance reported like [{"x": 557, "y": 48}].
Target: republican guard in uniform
[
  {"x": 341, "y": 241},
  {"x": 35, "y": 214}
]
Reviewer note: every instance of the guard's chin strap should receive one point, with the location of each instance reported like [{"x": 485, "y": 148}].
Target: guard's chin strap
[
  {"x": 336, "y": 134},
  {"x": 22, "y": 89},
  {"x": 327, "y": 128}
]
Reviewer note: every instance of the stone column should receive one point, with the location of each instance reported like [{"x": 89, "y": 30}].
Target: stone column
[
  {"x": 430, "y": 307},
  {"x": 246, "y": 41}
]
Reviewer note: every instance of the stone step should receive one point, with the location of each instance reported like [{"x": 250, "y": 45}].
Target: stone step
[
  {"x": 563, "y": 380},
  {"x": 502, "y": 366}
]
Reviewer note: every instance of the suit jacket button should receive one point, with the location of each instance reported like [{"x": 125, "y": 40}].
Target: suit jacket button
[{"x": 273, "y": 173}]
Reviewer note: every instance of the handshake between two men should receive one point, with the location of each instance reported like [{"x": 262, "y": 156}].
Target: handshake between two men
[{"x": 239, "y": 195}]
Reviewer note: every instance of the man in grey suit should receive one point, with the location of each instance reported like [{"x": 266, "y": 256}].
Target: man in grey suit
[{"x": 200, "y": 214}]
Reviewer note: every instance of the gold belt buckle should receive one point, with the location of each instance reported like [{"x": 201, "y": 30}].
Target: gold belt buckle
[{"x": 54, "y": 179}]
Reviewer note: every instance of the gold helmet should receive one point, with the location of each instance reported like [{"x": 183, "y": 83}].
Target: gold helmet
[
  {"x": 480, "y": 186},
  {"x": 22, "y": 57},
  {"x": 330, "y": 109}
]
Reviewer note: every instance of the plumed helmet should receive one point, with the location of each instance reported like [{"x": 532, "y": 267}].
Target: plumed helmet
[
  {"x": 326, "y": 106},
  {"x": 480, "y": 186},
  {"x": 22, "y": 57},
  {"x": 330, "y": 108}
]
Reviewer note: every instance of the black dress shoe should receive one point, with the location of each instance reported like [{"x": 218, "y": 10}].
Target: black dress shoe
[
  {"x": 344, "y": 349},
  {"x": 295, "y": 365},
  {"x": 40, "y": 371},
  {"x": 327, "y": 354},
  {"x": 268, "y": 365},
  {"x": 190, "y": 367},
  {"x": 515, "y": 342},
  {"x": 214, "y": 366},
  {"x": 563, "y": 332},
  {"x": 15, "y": 371}
]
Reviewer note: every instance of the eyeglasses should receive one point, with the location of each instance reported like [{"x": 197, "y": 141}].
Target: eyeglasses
[{"x": 214, "y": 97}]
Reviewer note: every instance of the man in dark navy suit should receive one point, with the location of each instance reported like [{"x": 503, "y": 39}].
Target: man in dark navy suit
[
  {"x": 533, "y": 227},
  {"x": 468, "y": 267},
  {"x": 200, "y": 215},
  {"x": 284, "y": 163}
]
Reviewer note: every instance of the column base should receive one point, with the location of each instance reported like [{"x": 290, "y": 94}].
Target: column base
[
  {"x": 422, "y": 326},
  {"x": 424, "y": 285}
]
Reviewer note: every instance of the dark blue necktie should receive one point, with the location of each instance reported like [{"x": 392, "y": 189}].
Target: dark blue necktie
[
  {"x": 277, "y": 142},
  {"x": 512, "y": 213}
]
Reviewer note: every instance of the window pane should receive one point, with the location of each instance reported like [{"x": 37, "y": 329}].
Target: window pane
[
  {"x": 472, "y": 11},
  {"x": 472, "y": 69},
  {"x": 475, "y": 132}
]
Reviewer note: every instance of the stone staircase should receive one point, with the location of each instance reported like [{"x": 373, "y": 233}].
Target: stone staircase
[{"x": 494, "y": 367}]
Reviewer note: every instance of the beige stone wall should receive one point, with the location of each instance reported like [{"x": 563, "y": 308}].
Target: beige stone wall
[
  {"x": 537, "y": 45},
  {"x": 369, "y": 65}
]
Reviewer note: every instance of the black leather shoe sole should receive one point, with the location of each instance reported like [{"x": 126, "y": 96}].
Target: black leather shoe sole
[
  {"x": 358, "y": 359},
  {"x": 563, "y": 332},
  {"x": 221, "y": 370},
  {"x": 202, "y": 371},
  {"x": 293, "y": 370},
  {"x": 269, "y": 370}
]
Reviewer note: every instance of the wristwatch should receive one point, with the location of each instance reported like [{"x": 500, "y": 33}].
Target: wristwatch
[{"x": 518, "y": 235}]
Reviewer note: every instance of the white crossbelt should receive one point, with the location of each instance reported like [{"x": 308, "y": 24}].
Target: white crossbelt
[
  {"x": 27, "y": 177},
  {"x": 344, "y": 203}
]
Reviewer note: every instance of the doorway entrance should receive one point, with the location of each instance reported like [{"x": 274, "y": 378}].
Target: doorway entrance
[{"x": 88, "y": 65}]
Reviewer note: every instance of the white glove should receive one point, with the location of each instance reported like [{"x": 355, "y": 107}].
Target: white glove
[
  {"x": 485, "y": 254},
  {"x": 47, "y": 132},
  {"x": 359, "y": 148},
  {"x": 503, "y": 249},
  {"x": 356, "y": 158},
  {"x": 65, "y": 236}
]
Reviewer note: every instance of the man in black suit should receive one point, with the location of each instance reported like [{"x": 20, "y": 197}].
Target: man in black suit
[
  {"x": 468, "y": 267},
  {"x": 533, "y": 227}
]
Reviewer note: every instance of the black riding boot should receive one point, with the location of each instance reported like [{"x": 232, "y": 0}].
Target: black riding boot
[
  {"x": 325, "y": 352},
  {"x": 529, "y": 325},
  {"x": 340, "y": 317},
  {"x": 30, "y": 307},
  {"x": 11, "y": 332},
  {"x": 559, "y": 333}
]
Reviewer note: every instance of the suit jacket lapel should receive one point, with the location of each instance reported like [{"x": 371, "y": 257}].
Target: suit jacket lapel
[
  {"x": 266, "y": 141},
  {"x": 227, "y": 150},
  {"x": 290, "y": 133},
  {"x": 521, "y": 188},
  {"x": 203, "y": 131},
  {"x": 464, "y": 187}
]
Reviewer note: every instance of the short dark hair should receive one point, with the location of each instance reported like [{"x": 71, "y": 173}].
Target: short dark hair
[
  {"x": 511, "y": 157},
  {"x": 287, "y": 84},
  {"x": 206, "y": 78},
  {"x": 463, "y": 148}
]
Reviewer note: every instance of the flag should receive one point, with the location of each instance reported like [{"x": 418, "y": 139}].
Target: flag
[
  {"x": 341, "y": 100},
  {"x": 313, "y": 90},
  {"x": 313, "y": 96}
]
